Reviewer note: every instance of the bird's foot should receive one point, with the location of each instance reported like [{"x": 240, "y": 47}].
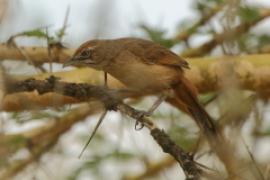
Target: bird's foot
[{"x": 139, "y": 119}]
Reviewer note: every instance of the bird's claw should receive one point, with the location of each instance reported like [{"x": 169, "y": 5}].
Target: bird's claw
[
  {"x": 137, "y": 127},
  {"x": 143, "y": 114},
  {"x": 139, "y": 117}
]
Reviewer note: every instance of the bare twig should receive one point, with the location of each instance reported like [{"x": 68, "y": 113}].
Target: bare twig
[
  {"x": 37, "y": 54},
  {"x": 12, "y": 43},
  {"x": 253, "y": 160},
  {"x": 64, "y": 27},
  {"x": 49, "y": 50}
]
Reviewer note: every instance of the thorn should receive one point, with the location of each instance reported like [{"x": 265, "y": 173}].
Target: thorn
[
  {"x": 93, "y": 133},
  {"x": 253, "y": 159}
]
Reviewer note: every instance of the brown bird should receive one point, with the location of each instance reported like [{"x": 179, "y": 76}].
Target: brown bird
[{"x": 145, "y": 67}]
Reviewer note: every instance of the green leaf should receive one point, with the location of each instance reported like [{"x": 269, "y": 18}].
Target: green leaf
[
  {"x": 11, "y": 143},
  {"x": 203, "y": 6},
  {"x": 205, "y": 98},
  {"x": 264, "y": 40},
  {"x": 157, "y": 35},
  {"x": 248, "y": 14},
  {"x": 38, "y": 33},
  {"x": 121, "y": 155},
  {"x": 182, "y": 137},
  {"x": 186, "y": 25}
]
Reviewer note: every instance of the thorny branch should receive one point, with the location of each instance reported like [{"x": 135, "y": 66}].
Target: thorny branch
[{"x": 106, "y": 96}]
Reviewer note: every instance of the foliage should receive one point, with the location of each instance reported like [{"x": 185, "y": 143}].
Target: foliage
[
  {"x": 247, "y": 42},
  {"x": 158, "y": 36},
  {"x": 248, "y": 13}
]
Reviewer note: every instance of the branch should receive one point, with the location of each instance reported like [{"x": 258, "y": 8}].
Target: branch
[
  {"x": 109, "y": 98},
  {"x": 220, "y": 38},
  {"x": 252, "y": 73},
  {"x": 81, "y": 92},
  {"x": 38, "y": 55},
  {"x": 33, "y": 100},
  {"x": 184, "y": 159},
  {"x": 184, "y": 35}
]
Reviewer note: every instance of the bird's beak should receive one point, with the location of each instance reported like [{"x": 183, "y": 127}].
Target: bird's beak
[{"x": 69, "y": 62}]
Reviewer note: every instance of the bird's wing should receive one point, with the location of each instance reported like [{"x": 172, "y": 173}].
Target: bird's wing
[
  {"x": 152, "y": 53},
  {"x": 160, "y": 55}
]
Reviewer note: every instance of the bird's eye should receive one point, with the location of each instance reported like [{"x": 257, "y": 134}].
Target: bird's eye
[{"x": 86, "y": 53}]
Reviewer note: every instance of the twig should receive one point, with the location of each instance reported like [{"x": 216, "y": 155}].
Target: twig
[
  {"x": 12, "y": 43},
  {"x": 64, "y": 27},
  {"x": 49, "y": 51},
  {"x": 253, "y": 159},
  {"x": 220, "y": 38},
  {"x": 184, "y": 159},
  {"x": 184, "y": 35}
]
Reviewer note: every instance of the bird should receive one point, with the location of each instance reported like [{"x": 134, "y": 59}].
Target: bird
[{"x": 145, "y": 67}]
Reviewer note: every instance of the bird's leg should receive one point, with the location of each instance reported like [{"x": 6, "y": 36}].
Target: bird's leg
[
  {"x": 150, "y": 111},
  {"x": 105, "y": 79},
  {"x": 156, "y": 104}
]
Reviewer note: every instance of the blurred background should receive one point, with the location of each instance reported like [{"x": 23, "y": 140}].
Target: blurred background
[
  {"x": 118, "y": 151},
  {"x": 111, "y": 18}
]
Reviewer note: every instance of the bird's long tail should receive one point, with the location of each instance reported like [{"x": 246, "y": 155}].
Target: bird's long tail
[
  {"x": 187, "y": 96},
  {"x": 187, "y": 99}
]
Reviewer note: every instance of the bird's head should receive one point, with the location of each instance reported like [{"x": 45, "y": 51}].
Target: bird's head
[{"x": 86, "y": 55}]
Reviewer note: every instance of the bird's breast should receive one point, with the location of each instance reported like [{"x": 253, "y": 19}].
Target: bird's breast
[{"x": 138, "y": 75}]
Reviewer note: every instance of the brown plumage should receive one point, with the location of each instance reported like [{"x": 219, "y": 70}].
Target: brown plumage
[{"x": 145, "y": 66}]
